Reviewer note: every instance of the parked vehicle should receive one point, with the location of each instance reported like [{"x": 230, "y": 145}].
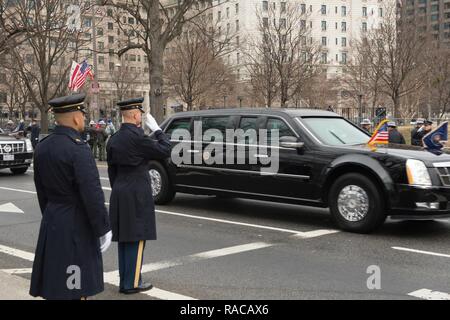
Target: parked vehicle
[{"x": 16, "y": 153}]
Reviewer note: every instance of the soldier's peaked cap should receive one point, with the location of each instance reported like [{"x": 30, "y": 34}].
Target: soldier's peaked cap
[
  {"x": 68, "y": 103},
  {"x": 130, "y": 104}
]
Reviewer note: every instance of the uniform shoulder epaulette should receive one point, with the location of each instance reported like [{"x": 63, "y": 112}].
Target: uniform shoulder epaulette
[
  {"x": 42, "y": 139},
  {"x": 78, "y": 141}
]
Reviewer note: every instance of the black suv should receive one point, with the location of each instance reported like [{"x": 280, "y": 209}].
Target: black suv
[
  {"x": 323, "y": 161},
  {"x": 16, "y": 153}
]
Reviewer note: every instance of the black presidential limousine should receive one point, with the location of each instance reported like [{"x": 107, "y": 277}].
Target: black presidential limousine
[
  {"x": 301, "y": 156},
  {"x": 16, "y": 153}
]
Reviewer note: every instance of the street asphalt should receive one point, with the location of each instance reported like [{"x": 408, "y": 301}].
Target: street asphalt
[{"x": 211, "y": 248}]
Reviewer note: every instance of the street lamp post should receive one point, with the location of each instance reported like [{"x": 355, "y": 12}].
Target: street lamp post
[
  {"x": 224, "y": 102},
  {"x": 360, "y": 96},
  {"x": 240, "y": 101}
]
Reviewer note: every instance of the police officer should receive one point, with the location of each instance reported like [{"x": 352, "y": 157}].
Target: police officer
[
  {"x": 394, "y": 135},
  {"x": 75, "y": 226},
  {"x": 132, "y": 210},
  {"x": 365, "y": 125},
  {"x": 101, "y": 140},
  {"x": 422, "y": 132},
  {"x": 414, "y": 141}
]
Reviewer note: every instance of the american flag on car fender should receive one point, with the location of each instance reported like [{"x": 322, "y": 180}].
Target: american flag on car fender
[{"x": 380, "y": 135}]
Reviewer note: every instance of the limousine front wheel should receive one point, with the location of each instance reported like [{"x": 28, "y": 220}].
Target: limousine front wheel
[
  {"x": 162, "y": 190},
  {"x": 356, "y": 204}
]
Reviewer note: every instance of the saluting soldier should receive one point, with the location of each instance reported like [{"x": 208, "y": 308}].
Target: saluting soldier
[
  {"x": 132, "y": 209},
  {"x": 75, "y": 226}
]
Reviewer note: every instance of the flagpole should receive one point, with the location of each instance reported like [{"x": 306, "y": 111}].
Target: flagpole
[{"x": 94, "y": 82}]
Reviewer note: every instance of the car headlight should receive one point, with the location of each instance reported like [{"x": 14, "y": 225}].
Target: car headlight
[
  {"x": 29, "y": 145},
  {"x": 417, "y": 173}
]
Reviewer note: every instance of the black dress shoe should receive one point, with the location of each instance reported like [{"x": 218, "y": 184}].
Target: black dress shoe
[{"x": 143, "y": 287}]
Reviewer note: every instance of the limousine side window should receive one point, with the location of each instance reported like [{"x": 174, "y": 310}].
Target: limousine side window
[
  {"x": 281, "y": 126},
  {"x": 184, "y": 123},
  {"x": 218, "y": 123},
  {"x": 249, "y": 123}
]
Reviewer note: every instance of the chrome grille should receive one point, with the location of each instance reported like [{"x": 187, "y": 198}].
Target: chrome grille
[
  {"x": 12, "y": 147},
  {"x": 443, "y": 170}
]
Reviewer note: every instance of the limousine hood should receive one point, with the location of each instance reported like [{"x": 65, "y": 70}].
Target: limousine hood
[
  {"x": 408, "y": 152},
  {"x": 5, "y": 137}
]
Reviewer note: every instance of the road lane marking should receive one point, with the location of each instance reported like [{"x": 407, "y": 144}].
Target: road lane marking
[
  {"x": 101, "y": 178},
  {"x": 428, "y": 294},
  {"x": 17, "y": 271},
  {"x": 113, "y": 276},
  {"x": 18, "y": 190},
  {"x": 10, "y": 208},
  {"x": 296, "y": 233},
  {"x": 422, "y": 252},
  {"x": 17, "y": 253},
  {"x": 155, "y": 292}
]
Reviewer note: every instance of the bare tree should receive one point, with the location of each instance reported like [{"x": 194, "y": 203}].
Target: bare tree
[
  {"x": 285, "y": 46},
  {"x": 439, "y": 81},
  {"x": 43, "y": 61},
  {"x": 17, "y": 94},
  {"x": 157, "y": 24},
  {"x": 396, "y": 50},
  {"x": 194, "y": 66}
]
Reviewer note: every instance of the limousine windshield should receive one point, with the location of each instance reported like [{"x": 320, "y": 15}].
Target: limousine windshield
[{"x": 335, "y": 131}]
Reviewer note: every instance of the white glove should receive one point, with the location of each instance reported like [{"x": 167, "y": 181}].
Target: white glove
[
  {"x": 105, "y": 241},
  {"x": 151, "y": 123}
]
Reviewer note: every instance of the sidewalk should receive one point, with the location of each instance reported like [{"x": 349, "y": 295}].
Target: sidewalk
[{"x": 14, "y": 287}]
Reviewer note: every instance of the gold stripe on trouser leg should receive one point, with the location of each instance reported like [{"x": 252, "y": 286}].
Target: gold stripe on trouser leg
[{"x": 137, "y": 273}]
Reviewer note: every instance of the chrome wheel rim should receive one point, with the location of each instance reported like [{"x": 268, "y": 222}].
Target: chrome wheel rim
[
  {"x": 353, "y": 203},
  {"x": 155, "y": 176}
]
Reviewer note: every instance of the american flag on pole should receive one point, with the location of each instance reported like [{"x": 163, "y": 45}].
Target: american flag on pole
[
  {"x": 380, "y": 135},
  {"x": 78, "y": 75}
]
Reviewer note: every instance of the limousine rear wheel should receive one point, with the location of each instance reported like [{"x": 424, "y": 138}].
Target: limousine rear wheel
[
  {"x": 356, "y": 203},
  {"x": 162, "y": 189}
]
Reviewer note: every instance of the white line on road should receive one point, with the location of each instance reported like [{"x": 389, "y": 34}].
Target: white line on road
[
  {"x": 18, "y": 190},
  {"x": 17, "y": 253},
  {"x": 17, "y": 271},
  {"x": 296, "y": 233},
  {"x": 155, "y": 292},
  {"x": 428, "y": 294},
  {"x": 423, "y": 252},
  {"x": 113, "y": 276}
]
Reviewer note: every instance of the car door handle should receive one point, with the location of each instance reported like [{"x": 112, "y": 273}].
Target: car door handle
[{"x": 193, "y": 151}]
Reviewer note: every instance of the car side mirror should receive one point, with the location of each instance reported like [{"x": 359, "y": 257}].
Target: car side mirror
[{"x": 291, "y": 142}]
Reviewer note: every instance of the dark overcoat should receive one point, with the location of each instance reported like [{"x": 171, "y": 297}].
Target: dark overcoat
[
  {"x": 74, "y": 217},
  {"x": 132, "y": 209}
]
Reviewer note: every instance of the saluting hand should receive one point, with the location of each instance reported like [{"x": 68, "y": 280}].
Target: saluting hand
[{"x": 151, "y": 123}]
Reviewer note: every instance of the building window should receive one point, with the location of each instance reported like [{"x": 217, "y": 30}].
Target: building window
[
  {"x": 265, "y": 5},
  {"x": 364, "y": 26},
  {"x": 434, "y": 17},
  {"x": 323, "y": 9},
  {"x": 110, "y": 26},
  {"x": 344, "y": 41},
  {"x": 435, "y": 8},
  {"x": 380, "y": 12},
  {"x": 130, "y": 20},
  {"x": 364, "y": 11},
  {"x": 109, "y": 12},
  {"x": 324, "y": 58},
  {"x": 266, "y": 22},
  {"x": 303, "y": 8},
  {"x": 283, "y": 7},
  {"x": 101, "y": 60},
  {"x": 87, "y": 23},
  {"x": 343, "y": 11},
  {"x": 3, "y": 97},
  {"x": 324, "y": 25},
  {"x": 237, "y": 25},
  {"x": 228, "y": 12},
  {"x": 344, "y": 58},
  {"x": 101, "y": 45},
  {"x": 100, "y": 31},
  {"x": 324, "y": 41},
  {"x": 343, "y": 26},
  {"x": 110, "y": 39},
  {"x": 283, "y": 23},
  {"x": 236, "y": 8}
]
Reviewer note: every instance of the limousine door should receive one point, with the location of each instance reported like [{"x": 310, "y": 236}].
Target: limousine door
[{"x": 288, "y": 175}]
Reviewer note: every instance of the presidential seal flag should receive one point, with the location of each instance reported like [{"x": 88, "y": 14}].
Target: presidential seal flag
[
  {"x": 380, "y": 135},
  {"x": 434, "y": 140}
]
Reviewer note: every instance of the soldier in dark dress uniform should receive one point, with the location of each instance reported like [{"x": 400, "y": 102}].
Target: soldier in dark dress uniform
[
  {"x": 132, "y": 209},
  {"x": 394, "y": 135},
  {"x": 75, "y": 226}
]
